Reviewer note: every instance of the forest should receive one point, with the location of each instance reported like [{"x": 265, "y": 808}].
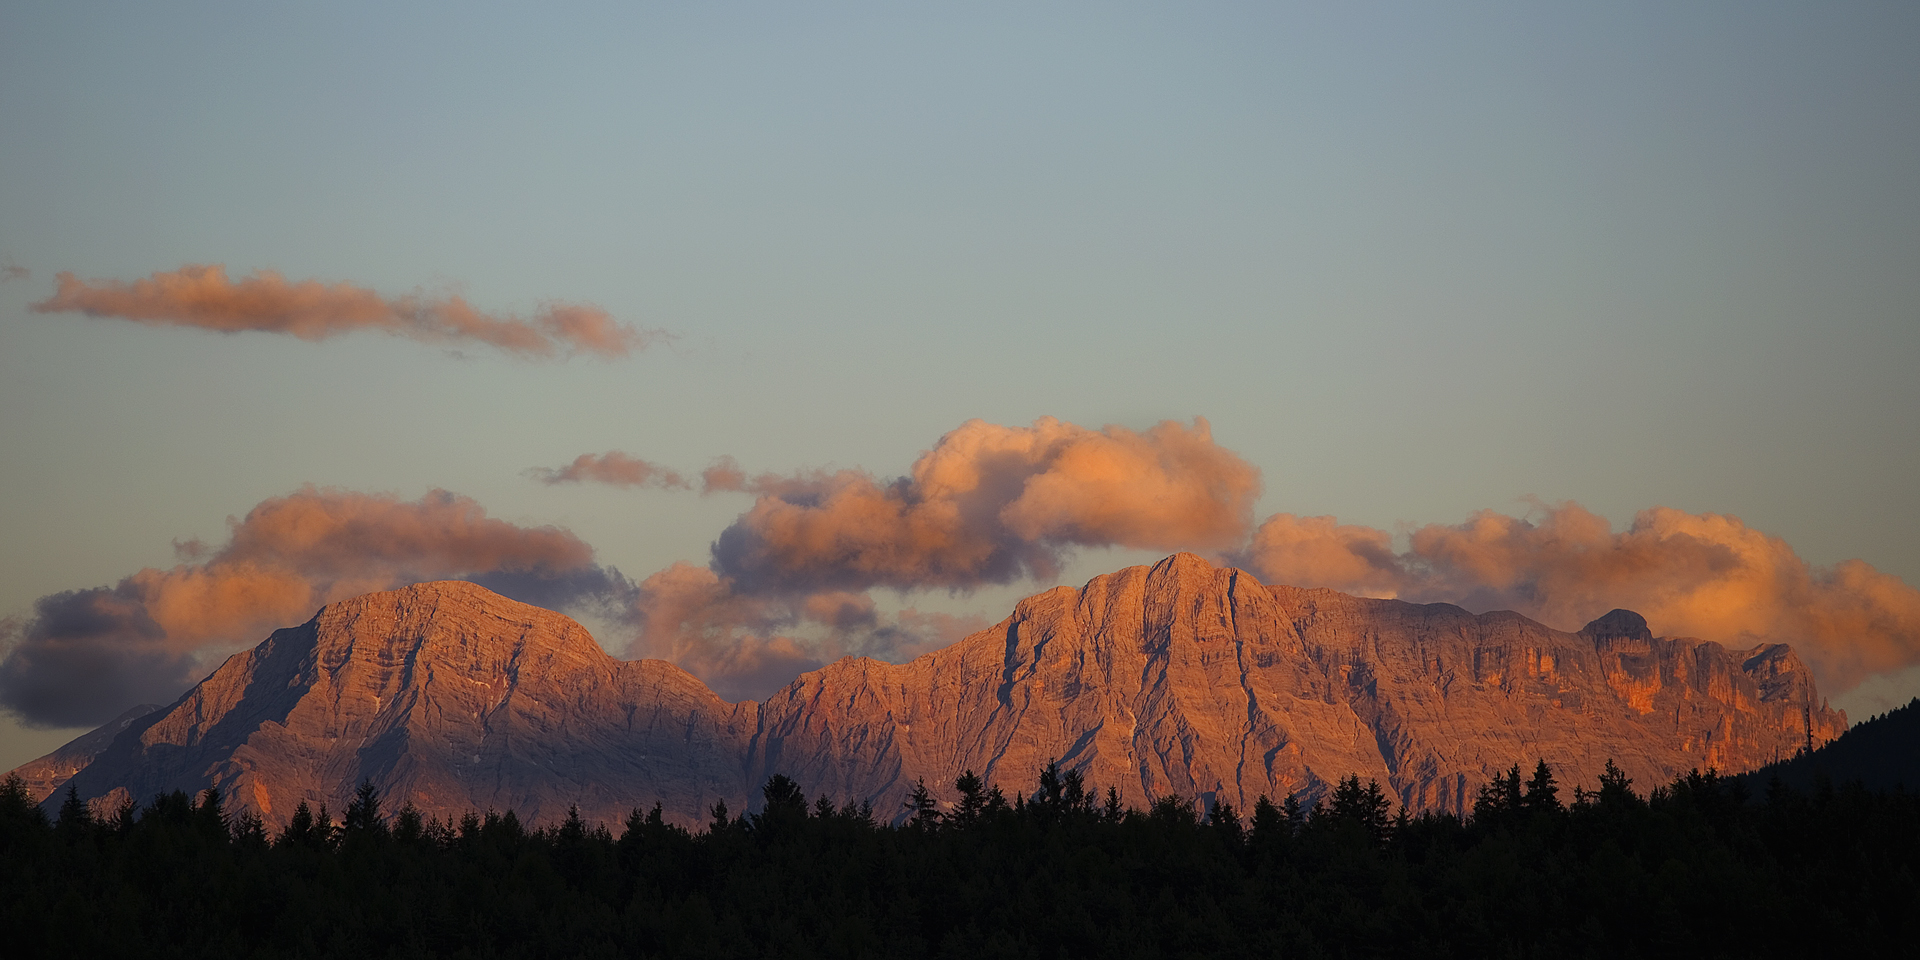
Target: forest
[{"x": 1702, "y": 866}]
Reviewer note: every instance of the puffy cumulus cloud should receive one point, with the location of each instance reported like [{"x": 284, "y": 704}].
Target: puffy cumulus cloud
[
  {"x": 787, "y": 586},
  {"x": 614, "y": 468},
  {"x": 1322, "y": 552},
  {"x": 747, "y": 646},
  {"x": 733, "y": 643},
  {"x": 988, "y": 504},
  {"x": 85, "y": 655},
  {"x": 1701, "y": 575},
  {"x": 202, "y": 296}
]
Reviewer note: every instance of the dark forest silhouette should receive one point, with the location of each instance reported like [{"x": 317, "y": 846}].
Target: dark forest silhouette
[
  {"x": 1880, "y": 753},
  {"x": 1699, "y": 866}
]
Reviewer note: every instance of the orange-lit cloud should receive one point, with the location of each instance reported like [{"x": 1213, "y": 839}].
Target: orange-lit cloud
[
  {"x": 722, "y": 475},
  {"x": 1702, "y": 575},
  {"x": 614, "y": 468},
  {"x": 88, "y": 654},
  {"x": 989, "y": 504},
  {"x": 202, "y": 296},
  {"x": 747, "y": 646}
]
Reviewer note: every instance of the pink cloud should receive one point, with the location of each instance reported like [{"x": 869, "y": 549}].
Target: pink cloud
[
  {"x": 87, "y": 654},
  {"x": 202, "y": 296},
  {"x": 1702, "y": 575},
  {"x": 613, "y": 468}
]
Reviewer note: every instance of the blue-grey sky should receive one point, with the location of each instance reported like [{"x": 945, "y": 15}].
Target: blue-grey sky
[{"x": 1409, "y": 260}]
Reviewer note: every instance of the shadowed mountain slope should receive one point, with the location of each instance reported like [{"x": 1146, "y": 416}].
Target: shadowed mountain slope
[
  {"x": 1180, "y": 678},
  {"x": 50, "y": 773}
]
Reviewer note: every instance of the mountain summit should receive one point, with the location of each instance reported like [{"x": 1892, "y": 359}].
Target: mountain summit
[
  {"x": 1189, "y": 679},
  {"x": 1180, "y": 678},
  {"x": 443, "y": 693}
]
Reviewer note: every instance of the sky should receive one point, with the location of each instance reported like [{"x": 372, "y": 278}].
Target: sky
[{"x": 757, "y": 334}]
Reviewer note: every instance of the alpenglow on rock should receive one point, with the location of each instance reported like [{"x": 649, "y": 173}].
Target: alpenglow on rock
[
  {"x": 446, "y": 694},
  {"x": 1181, "y": 678}
]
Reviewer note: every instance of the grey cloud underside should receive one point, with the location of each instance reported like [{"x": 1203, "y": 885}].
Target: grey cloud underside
[{"x": 84, "y": 656}]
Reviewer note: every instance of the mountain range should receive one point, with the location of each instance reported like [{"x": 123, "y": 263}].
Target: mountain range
[{"x": 1181, "y": 678}]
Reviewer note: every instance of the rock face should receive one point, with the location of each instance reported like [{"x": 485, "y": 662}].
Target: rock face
[
  {"x": 1188, "y": 679},
  {"x": 1178, "y": 678},
  {"x": 443, "y": 693},
  {"x": 51, "y": 772}
]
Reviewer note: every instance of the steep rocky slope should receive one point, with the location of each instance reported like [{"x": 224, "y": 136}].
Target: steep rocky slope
[
  {"x": 50, "y": 773},
  {"x": 443, "y": 693},
  {"x": 1195, "y": 680},
  {"x": 1178, "y": 678}
]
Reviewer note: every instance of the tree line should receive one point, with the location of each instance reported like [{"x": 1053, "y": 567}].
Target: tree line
[{"x": 1696, "y": 866}]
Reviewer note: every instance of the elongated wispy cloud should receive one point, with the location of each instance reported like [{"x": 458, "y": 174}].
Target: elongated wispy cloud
[
  {"x": 84, "y": 655},
  {"x": 1700, "y": 575},
  {"x": 202, "y": 296},
  {"x": 613, "y": 468}
]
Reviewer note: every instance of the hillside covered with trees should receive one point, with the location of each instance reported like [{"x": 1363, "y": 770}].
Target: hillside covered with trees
[
  {"x": 1700, "y": 866},
  {"x": 1881, "y": 753}
]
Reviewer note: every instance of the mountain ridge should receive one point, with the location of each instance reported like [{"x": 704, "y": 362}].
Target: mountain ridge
[{"x": 1179, "y": 678}]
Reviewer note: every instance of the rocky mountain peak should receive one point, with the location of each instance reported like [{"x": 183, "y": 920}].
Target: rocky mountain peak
[
  {"x": 1618, "y": 624},
  {"x": 446, "y": 621},
  {"x": 1177, "y": 678}
]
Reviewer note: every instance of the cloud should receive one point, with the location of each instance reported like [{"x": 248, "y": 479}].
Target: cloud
[
  {"x": 614, "y": 468},
  {"x": 788, "y": 584},
  {"x": 12, "y": 271},
  {"x": 1320, "y": 552},
  {"x": 85, "y": 655},
  {"x": 723, "y": 474},
  {"x": 988, "y": 504},
  {"x": 202, "y": 296},
  {"x": 746, "y": 646},
  {"x": 1702, "y": 575}
]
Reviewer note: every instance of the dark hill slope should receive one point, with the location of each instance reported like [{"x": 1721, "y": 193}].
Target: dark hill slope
[{"x": 1882, "y": 753}]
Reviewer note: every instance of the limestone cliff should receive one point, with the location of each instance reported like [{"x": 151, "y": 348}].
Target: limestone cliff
[
  {"x": 1188, "y": 679},
  {"x": 1178, "y": 678},
  {"x": 50, "y": 773},
  {"x": 443, "y": 693}
]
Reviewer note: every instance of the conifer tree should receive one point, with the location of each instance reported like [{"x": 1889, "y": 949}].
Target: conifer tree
[
  {"x": 210, "y": 815},
  {"x": 1296, "y": 815},
  {"x": 1616, "y": 789},
  {"x": 1226, "y": 824},
  {"x": 75, "y": 819},
  {"x": 1268, "y": 821},
  {"x": 1543, "y": 792},
  {"x": 926, "y": 810},
  {"x": 363, "y": 822},
  {"x": 973, "y": 799}
]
